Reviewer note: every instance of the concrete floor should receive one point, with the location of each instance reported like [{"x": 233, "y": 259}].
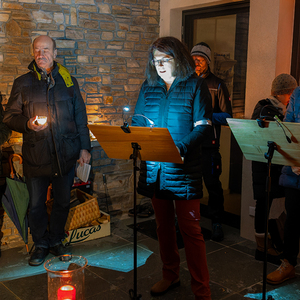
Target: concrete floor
[{"x": 234, "y": 273}]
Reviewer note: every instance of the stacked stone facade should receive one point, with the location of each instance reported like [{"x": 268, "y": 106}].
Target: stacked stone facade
[{"x": 104, "y": 44}]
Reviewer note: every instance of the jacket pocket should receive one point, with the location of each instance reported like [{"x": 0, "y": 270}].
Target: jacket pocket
[
  {"x": 36, "y": 153},
  {"x": 71, "y": 147}
]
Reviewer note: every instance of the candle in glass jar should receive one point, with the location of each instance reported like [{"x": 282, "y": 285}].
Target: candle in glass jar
[{"x": 41, "y": 120}]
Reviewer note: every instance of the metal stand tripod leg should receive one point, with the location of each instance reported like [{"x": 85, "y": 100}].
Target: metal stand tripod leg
[
  {"x": 133, "y": 292},
  {"x": 272, "y": 146}
]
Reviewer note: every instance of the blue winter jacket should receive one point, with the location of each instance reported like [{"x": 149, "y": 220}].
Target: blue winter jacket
[
  {"x": 288, "y": 178},
  {"x": 186, "y": 111}
]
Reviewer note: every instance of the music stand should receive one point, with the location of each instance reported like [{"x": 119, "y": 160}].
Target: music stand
[
  {"x": 259, "y": 144},
  {"x": 145, "y": 143}
]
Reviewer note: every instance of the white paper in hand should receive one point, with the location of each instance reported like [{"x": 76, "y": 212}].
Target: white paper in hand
[{"x": 83, "y": 172}]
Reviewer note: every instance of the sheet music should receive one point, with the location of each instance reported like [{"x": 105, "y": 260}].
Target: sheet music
[{"x": 83, "y": 172}]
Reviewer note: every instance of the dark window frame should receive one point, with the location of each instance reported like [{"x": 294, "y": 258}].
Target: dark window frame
[
  {"x": 295, "y": 62},
  {"x": 189, "y": 16}
]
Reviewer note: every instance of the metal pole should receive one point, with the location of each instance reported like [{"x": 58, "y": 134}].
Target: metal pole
[{"x": 133, "y": 293}]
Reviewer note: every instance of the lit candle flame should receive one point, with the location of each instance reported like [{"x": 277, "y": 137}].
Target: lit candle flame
[{"x": 66, "y": 292}]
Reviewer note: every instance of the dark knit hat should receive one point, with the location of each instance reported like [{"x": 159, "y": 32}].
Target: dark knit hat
[
  {"x": 283, "y": 84},
  {"x": 202, "y": 49}
]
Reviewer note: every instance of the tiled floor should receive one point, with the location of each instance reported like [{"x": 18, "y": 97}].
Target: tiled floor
[{"x": 234, "y": 273}]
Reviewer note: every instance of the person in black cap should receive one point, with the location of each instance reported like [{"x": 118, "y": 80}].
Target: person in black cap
[
  {"x": 212, "y": 164},
  {"x": 282, "y": 87}
]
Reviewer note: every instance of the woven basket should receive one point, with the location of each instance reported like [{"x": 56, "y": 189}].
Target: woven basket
[{"x": 82, "y": 214}]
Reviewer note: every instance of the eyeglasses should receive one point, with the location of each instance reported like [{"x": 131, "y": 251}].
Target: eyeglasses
[{"x": 158, "y": 62}]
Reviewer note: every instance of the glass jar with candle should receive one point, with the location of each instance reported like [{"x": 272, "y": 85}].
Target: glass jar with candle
[
  {"x": 66, "y": 277},
  {"x": 41, "y": 120}
]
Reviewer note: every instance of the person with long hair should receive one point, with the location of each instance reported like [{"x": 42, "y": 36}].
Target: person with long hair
[{"x": 173, "y": 97}]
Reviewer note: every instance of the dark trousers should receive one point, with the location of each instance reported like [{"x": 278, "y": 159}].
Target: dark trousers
[
  {"x": 260, "y": 214},
  {"x": 38, "y": 217},
  {"x": 212, "y": 169},
  {"x": 259, "y": 178},
  {"x": 292, "y": 225},
  {"x": 188, "y": 215}
]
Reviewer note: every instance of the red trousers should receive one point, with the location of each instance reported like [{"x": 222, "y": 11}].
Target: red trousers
[{"x": 188, "y": 215}]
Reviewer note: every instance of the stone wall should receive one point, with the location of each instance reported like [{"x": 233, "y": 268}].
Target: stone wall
[{"x": 104, "y": 44}]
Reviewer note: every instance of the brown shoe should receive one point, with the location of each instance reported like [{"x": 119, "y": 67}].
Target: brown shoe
[
  {"x": 273, "y": 256},
  {"x": 284, "y": 272},
  {"x": 163, "y": 286}
]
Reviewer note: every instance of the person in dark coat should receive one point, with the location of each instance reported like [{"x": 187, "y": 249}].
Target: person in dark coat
[
  {"x": 173, "y": 97},
  {"x": 5, "y": 132},
  {"x": 281, "y": 90},
  {"x": 51, "y": 149},
  {"x": 211, "y": 157},
  {"x": 290, "y": 180}
]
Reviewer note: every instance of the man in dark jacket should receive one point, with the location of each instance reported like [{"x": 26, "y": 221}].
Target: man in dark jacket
[
  {"x": 211, "y": 157},
  {"x": 51, "y": 149}
]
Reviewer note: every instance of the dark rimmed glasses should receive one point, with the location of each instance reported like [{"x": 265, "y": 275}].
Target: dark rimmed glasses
[{"x": 158, "y": 62}]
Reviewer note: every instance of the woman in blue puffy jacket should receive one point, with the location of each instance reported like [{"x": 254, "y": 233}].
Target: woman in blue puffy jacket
[{"x": 173, "y": 97}]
